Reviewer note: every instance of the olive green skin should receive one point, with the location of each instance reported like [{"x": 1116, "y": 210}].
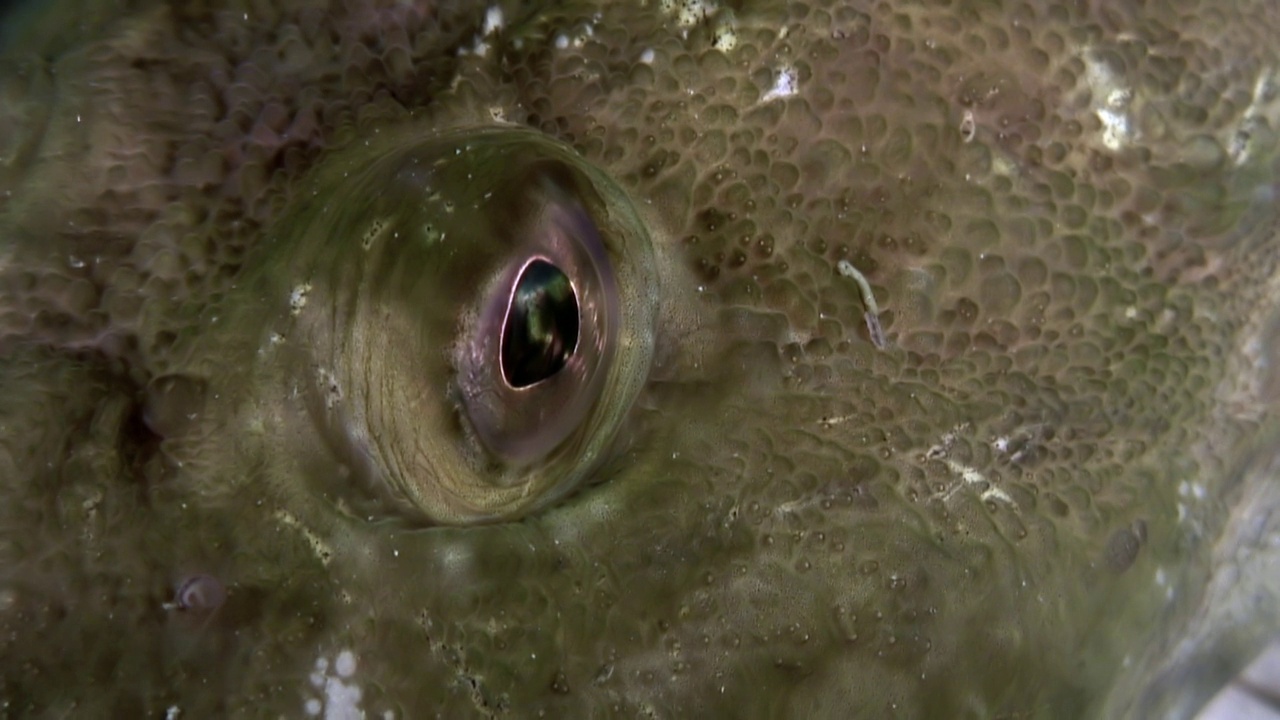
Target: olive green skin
[{"x": 1049, "y": 495}]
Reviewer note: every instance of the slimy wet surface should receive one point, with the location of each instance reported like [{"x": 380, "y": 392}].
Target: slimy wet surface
[{"x": 636, "y": 359}]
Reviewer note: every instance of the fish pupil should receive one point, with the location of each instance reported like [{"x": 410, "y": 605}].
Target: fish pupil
[{"x": 541, "y": 329}]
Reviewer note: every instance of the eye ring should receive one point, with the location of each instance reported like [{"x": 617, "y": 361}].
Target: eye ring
[{"x": 385, "y": 334}]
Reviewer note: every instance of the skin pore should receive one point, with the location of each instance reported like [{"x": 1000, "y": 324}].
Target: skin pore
[{"x": 874, "y": 359}]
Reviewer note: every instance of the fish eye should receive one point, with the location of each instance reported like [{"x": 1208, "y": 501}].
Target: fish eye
[
  {"x": 532, "y": 363},
  {"x": 471, "y": 316}
]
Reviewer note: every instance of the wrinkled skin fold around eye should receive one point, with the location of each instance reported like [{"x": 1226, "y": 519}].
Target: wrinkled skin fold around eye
[
  {"x": 378, "y": 355},
  {"x": 1051, "y": 493}
]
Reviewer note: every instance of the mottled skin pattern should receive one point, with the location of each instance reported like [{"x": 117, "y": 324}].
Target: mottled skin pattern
[{"x": 1048, "y": 496}]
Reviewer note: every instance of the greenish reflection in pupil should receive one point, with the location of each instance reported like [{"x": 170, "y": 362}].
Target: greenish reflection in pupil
[{"x": 541, "y": 330}]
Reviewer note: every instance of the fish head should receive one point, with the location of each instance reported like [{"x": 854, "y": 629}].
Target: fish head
[{"x": 747, "y": 359}]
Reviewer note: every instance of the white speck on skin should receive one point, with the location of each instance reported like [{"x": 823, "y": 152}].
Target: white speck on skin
[
  {"x": 968, "y": 126},
  {"x": 784, "y": 84},
  {"x": 836, "y": 420},
  {"x": 321, "y": 549},
  {"x": 312, "y": 707},
  {"x": 329, "y": 387},
  {"x": 646, "y": 56}
]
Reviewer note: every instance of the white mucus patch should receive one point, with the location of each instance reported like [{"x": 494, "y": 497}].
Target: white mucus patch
[
  {"x": 1112, "y": 101},
  {"x": 345, "y": 664},
  {"x": 298, "y": 298},
  {"x": 329, "y": 388},
  {"x": 724, "y": 36},
  {"x": 492, "y": 20},
  {"x": 946, "y": 442},
  {"x": 646, "y": 56},
  {"x": 1263, "y": 111},
  {"x": 971, "y": 476},
  {"x": 689, "y": 12},
  {"x": 1116, "y": 131},
  {"x": 339, "y": 695},
  {"x": 784, "y": 84}
]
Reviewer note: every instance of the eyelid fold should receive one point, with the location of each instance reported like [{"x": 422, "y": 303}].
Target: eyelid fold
[{"x": 408, "y": 252}]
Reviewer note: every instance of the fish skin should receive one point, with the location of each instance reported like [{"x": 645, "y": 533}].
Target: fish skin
[{"x": 1047, "y": 495}]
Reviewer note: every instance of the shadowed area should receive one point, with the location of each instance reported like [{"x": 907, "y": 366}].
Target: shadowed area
[{"x": 742, "y": 359}]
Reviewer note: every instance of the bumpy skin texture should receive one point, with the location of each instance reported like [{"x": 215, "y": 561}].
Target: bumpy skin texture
[{"x": 1048, "y": 496}]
